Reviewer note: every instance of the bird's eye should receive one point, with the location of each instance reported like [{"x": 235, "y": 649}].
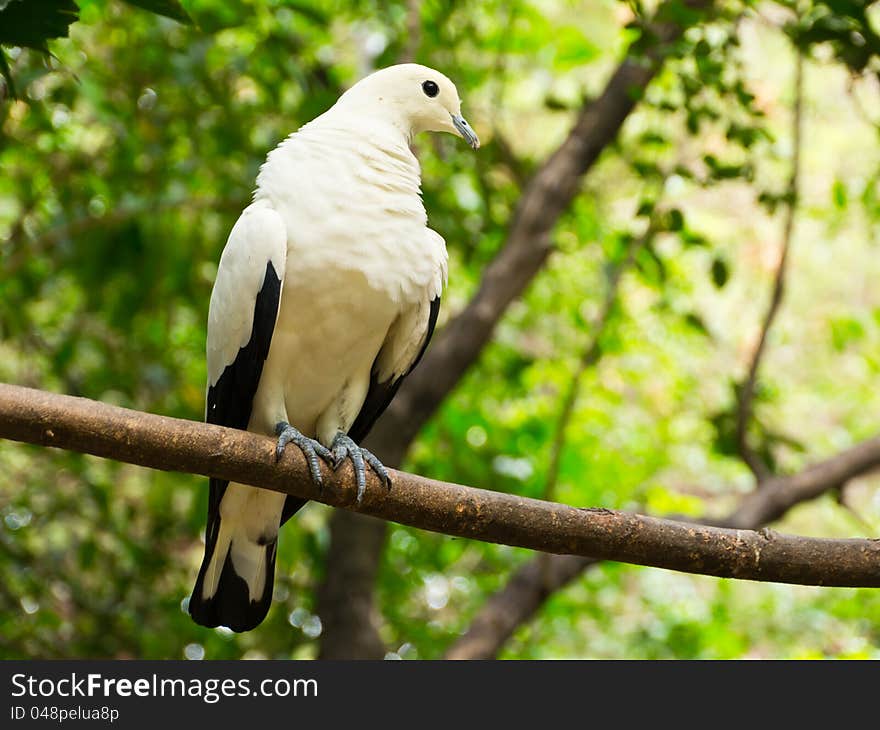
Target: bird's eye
[{"x": 430, "y": 88}]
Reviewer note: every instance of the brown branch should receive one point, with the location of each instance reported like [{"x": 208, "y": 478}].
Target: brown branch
[
  {"x": 413, "y": 32},
  {"x": 173, "y": 444},
  {"x": 780, "y": 494},
  {"x": 745, "y": 410},
  {"x": 534, "y": 582},
  {"x": 517, "y": 602},
  {"x": 345, "y": 597}
]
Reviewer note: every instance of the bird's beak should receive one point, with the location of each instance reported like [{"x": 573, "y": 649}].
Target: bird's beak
[{"x": 464, "y": 129}]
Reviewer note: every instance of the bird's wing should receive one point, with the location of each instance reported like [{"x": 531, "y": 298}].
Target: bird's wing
[
  {"x": 241, "y": 320},
  {"x": 404, "y": 345}
]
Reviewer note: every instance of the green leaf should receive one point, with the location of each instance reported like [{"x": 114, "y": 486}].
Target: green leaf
[
  {"x": 839, "y": 194},
  {"x": 169, "y": 8},
  {"x": 573, "y": 48},
  {"x": 680, "y": 13},
  {"x": 720, "y": 272},
  {"x": 692, "y": 238},
  {"x": 651, "y": 266},
  {"x": 846, "y": 331},
  {"x": 211, "y": 16},
  {"x": 674, "y": 220},
  {"x": 695, "y": 321},
  {"x": 554, "y": 103},
  {"x": 653, "y": 138},
  {"x": 32, "y": 23},
  {"x": 7, "y": 76}
]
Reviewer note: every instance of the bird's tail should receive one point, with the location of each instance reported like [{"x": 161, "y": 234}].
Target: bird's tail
[{"x": 234, "y": 585}]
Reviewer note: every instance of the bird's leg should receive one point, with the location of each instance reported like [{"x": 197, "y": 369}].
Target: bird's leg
[
  {"x": 344, "y": 448},
  {"x": 311, "y": 449}
]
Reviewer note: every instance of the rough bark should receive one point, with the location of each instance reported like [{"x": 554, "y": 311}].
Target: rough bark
[
  {"x": 346, "y": 597},
  {"x": 173, "y": 444},
  {"x": 517, "y": 602},
  {"x": 780, "y": 494}
]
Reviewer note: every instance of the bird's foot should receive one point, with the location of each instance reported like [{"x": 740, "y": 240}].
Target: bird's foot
[
  {"x": 310, "y": 448},
  {"x": 344, "y": 448}
]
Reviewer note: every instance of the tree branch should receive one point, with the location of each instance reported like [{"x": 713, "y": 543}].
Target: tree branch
[
  {"x": 345, "y": 598},
  {"x": 589, "y": 357},
  {"x": 780, "y": 494},
  {"x": 744, "y": 413},
  {"x": 173, "y": 444},
  {"x": 534, "y": 582},
  {"x": 517, "y": 602}
]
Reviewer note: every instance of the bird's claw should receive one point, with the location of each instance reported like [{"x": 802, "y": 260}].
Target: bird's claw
[
  {"x": 344, "y": 448},
  {"x": 310, "y": 448}
]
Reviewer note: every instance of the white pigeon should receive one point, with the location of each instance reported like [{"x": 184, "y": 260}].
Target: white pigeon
[{"x": 325, "y": 299}]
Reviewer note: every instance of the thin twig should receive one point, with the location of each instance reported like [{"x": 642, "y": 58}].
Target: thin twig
[
  {"x": 589, "y": 357},
  {"x": 745, "y": 410}
]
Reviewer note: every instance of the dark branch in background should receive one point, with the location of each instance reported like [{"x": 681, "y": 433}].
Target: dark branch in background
[
  {"x": 590, "y": 356},
  {"x": 524, "y": 594},
  {"x": 779, "y": 494},
  {"x": 547, "y": 196},
  {"x": 174, "y": 444},
  {"x": 413, "y": 32},
  {"x": 745, "y": 410},
  {"x": 345, "y": 598}
]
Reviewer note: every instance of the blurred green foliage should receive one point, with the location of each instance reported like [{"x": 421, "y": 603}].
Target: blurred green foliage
[
  {"x": 33, "y": 23},
  {"x": 131, "y": 152}
]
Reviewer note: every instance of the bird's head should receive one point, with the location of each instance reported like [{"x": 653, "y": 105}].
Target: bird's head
[{"x": 414, "y": 98}]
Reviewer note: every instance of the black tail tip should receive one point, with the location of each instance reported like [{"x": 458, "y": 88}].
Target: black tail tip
[{"x": 231, "y": 605}]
